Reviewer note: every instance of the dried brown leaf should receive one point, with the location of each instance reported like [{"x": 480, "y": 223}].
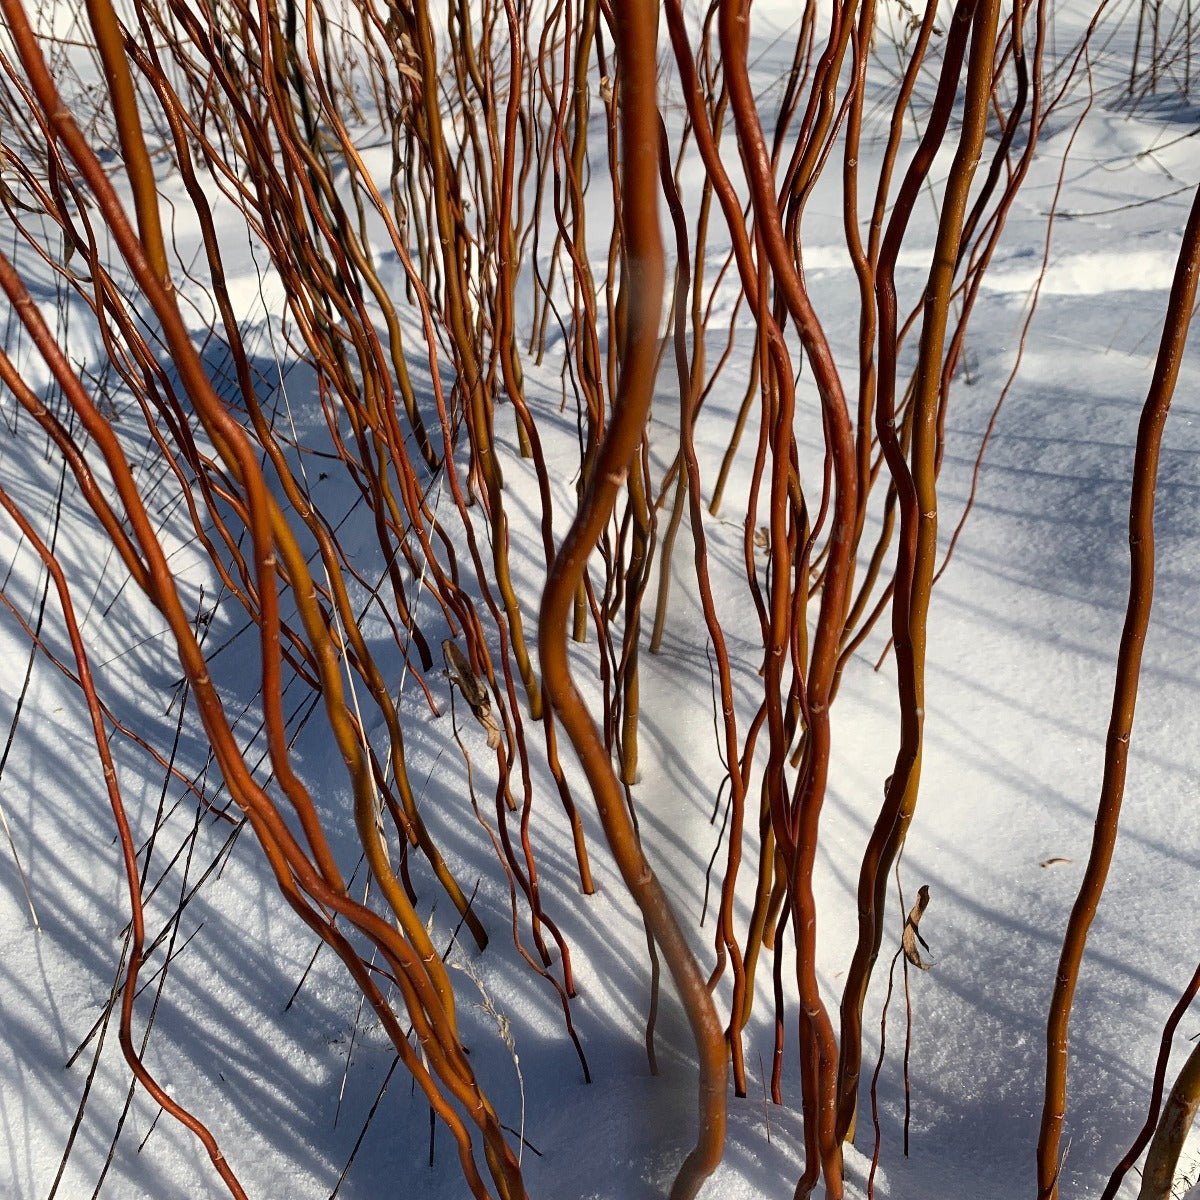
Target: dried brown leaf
[
  {"x": 10, "y": 200},
  {"x": 472, "y": 687},
  {"x": 474, "y": 691},
  {"x": 912, "y": 934},
  {"x": 490, "y": 726}
]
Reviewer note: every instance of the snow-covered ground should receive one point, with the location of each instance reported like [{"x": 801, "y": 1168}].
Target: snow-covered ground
[{"x": 1024, "y": 629}]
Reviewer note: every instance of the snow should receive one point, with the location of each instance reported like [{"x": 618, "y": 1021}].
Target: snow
[{"x": 1024, "y": 629}]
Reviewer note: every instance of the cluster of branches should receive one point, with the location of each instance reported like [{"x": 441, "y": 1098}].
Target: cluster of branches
[{"x": 489, "y": 174}]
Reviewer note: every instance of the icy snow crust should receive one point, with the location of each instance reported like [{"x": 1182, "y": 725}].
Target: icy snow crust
[{"x": 1024, "y": 630}]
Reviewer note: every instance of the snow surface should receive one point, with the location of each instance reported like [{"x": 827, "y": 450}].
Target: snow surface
[{"x": 1024, "y": 630}]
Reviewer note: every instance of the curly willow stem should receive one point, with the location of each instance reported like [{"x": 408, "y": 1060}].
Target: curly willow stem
[
  {"x": 643, "y": 282},
  {"x": 1120, "y": 729}
]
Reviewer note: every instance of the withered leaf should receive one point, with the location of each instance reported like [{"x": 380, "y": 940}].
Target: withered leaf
[
  {"x": 9, "y": 199},
  {"x": 912, "y": 934},
  {"x": 490, "y": 727},
  {"x": 472, "y": 687},
  {"x": 474, "y": 691}
]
